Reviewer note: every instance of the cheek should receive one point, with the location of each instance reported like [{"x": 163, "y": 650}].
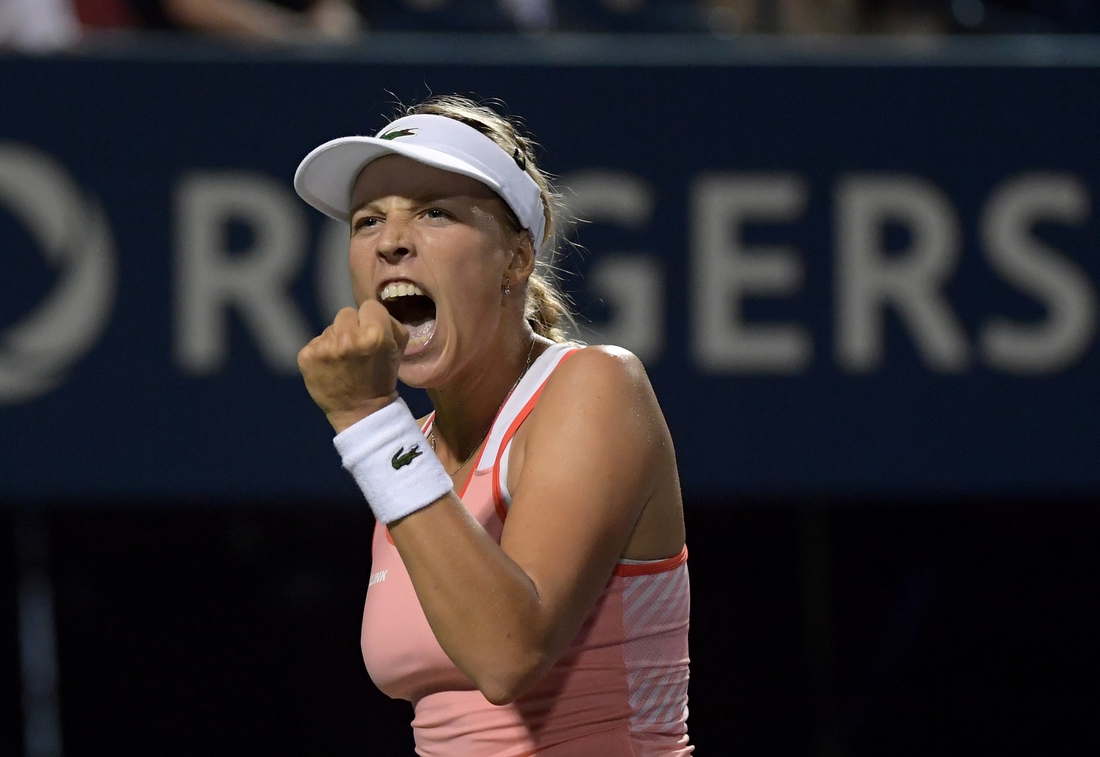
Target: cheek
[
  {"x": 476, "y": 303},
  {"x": 361, "y": 266},
  {"x": 464, "y": 291},
  {"x": 470, "y": 276}
]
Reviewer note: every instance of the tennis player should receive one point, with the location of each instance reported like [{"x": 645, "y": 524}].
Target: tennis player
[{"x": 529, "y": 588}]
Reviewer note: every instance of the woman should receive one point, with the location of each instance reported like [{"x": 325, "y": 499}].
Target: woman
[{"x": 529, "y": 588}]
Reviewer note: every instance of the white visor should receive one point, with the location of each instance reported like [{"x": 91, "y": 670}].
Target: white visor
[{"x": 327, "y": 175}]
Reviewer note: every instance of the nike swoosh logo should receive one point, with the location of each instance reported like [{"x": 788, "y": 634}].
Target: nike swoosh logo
[{"x": 402, "y": 458}]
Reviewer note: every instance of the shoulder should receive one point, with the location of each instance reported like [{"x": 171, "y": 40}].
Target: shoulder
[
  {"x": 596, "y": 428},
  {"x": 602, "y": 376},
  {"x": 601, "y": 364}
]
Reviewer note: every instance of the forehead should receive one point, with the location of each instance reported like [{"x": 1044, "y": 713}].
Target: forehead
[{"x": 398, "y": 176}]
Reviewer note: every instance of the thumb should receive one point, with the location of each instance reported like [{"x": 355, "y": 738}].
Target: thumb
[{"x": 400, "y": 335}]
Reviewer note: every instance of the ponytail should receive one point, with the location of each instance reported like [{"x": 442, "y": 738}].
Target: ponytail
[{"x": 545, "y": 309}]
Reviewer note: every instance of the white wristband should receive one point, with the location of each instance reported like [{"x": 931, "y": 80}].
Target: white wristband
[{"x": 388, "y": 456}]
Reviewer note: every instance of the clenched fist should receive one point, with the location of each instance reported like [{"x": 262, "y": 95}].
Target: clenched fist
[{"x": 351, "y": 368}]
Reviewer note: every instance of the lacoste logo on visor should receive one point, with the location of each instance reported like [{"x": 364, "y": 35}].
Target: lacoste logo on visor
[{"x": 398, "y": 133}]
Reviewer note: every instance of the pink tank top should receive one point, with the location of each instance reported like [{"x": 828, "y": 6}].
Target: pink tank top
[{"x": 618, "y": 690}]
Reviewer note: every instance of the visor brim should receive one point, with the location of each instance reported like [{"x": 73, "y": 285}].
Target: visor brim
[{"x": 326, "y": 177}]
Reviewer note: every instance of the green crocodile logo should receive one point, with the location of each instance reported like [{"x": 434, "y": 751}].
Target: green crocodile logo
[
  {"x": 402, "y": 458},
  {"x": 398, "y": 133}
]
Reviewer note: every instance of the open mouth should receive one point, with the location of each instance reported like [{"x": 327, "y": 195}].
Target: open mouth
[{"x": 412, "y": 306}]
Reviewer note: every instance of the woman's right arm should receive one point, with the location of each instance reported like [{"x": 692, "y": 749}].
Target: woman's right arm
[{"x": 596, "y": 451}]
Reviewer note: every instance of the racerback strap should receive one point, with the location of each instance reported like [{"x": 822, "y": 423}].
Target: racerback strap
[
  {"x": 524, "y": 392},
  {"x": 517, "y": 406},
  {"x": 515, "y": 411}
]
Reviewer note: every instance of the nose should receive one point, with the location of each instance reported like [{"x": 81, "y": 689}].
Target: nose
[{"x": 395, "y": 243}]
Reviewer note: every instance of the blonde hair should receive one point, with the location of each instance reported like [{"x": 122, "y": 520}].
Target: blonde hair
[{"x": 545, "y": 308}]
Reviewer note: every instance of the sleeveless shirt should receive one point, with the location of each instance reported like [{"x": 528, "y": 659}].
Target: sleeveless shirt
[{"x": 618, "y": 690}]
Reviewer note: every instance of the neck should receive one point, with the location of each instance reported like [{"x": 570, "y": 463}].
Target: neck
[{"x": 465, "y": 408}]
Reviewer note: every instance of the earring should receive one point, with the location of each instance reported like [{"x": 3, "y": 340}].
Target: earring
[{"x": 507, "y": 289}]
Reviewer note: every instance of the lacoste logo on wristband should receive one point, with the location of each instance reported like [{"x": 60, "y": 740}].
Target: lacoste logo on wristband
[{"x": 402, "y": 458}]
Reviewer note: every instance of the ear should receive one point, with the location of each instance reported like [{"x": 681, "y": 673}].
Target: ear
[{"x": 522, "y": 264}]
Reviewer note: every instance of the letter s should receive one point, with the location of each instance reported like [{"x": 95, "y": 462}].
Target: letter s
[{"x": 1040, "y": 271}]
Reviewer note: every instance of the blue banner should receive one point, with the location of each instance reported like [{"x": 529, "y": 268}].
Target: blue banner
[{"x": 844, "y": 278}]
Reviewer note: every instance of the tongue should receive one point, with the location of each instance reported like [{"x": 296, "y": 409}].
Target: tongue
[{"x": 420, "y": 331}]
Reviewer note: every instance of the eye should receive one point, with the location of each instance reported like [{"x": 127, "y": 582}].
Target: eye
[
  {"x": 437, "y": 214},
  {"x": 364, "y": 222}
]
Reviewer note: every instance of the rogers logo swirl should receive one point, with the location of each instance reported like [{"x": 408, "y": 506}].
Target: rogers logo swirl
[{"x": 73, "y": 234}]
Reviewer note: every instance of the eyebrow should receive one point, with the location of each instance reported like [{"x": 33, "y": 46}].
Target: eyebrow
[{"x": 422, "y": 200}]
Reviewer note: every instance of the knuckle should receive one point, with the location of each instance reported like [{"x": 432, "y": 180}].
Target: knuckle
[
  {"x": 345, "y": 342},
  {"x": 371, "y": 337},
  {"x": 308, "y": 353}
]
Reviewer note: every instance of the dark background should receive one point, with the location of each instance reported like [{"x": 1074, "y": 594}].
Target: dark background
[{"x": 859, "y": 628}]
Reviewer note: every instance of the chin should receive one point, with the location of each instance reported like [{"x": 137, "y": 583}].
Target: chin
[
  {"x": 413, "y": 384},
  {"x": 417, "y": 376}
]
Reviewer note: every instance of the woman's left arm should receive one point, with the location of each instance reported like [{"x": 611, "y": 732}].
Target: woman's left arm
[{"x": 589, "y": 458}]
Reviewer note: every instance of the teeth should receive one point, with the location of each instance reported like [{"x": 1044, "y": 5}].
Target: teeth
[{"x": 397, "y": 289}]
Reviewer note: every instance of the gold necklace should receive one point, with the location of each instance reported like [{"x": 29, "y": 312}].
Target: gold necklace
[{"x": 526, "y": 366}]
